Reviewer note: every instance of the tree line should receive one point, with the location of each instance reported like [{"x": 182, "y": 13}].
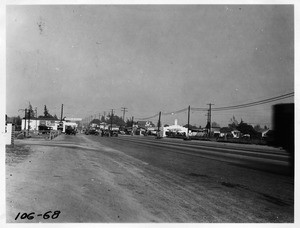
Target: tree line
[
  {"x": 31, "y": 114},
  {"x": 244, "y": 128},
  {"x": 112, "y": 119}
]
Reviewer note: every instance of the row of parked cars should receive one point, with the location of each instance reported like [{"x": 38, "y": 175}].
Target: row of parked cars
[{"x": 103, "y": 133}]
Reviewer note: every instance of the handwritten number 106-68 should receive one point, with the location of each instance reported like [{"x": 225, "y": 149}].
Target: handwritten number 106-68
[{"x": 32, "y": 215}]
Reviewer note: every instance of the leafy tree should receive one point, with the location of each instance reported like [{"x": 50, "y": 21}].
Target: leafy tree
[
  {"x": 46, "y": 113},
  {"x": 119, "y": 121},
  {"x": 233, "y": 123},
  {"x": 207, "y": 125},
  {"x": 95, "y": 121},
  {"x": 30, "y": 113},
  {"x": 190, "y": 126},
  {"x": 129, "y": 123},
  {"x": 18, "y": 120},
  {"x": 225, "y": 130},
  {"x": 214, "y": 124},
  {"x": 102, "y": 119},
  {"x": 258, "y": 128},
  {"x": 115, "y": 120},
  {"x": 245, "y": 128}
]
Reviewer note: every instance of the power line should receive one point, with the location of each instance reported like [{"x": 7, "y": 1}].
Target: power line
[
  {"x": 269, "y": 100},
  {"x": 281, "y": 97},
  {"x": 151, "y": 117},
  {"x": 175, "y": 112},
  {"x": 199, "y": 109},
  {"x": 164, "y": 114},
  {"x": 225, "y": 108}
]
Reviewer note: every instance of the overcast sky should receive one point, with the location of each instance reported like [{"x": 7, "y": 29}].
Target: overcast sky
[{"x": 93, "y": 58}]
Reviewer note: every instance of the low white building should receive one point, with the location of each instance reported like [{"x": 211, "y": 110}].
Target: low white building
[
  {"x": 103, "y": 126},
  {"x": 34, "y": 123},
  {"x": 236, "y": 134},
  {"x": 68, "y": 123},
  {"x": 175, "y": 128}
]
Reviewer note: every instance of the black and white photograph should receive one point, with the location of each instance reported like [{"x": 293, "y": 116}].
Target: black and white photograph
[{"x": 149, "y": 113}]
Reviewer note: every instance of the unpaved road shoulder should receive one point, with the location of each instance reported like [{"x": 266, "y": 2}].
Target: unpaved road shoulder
[{"x": 89, "y": 182}]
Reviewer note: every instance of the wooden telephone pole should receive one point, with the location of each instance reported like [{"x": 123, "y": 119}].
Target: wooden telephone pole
[{"x": 158, "y": 126}]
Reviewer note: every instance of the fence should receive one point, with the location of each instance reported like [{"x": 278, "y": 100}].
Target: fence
[{"x": 53, "y": 134}]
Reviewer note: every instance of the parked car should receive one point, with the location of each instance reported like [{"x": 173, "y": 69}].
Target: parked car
[
  {"x": 91, "y": 132},
  {"x": 44, "y": 129},
  {"x": 115, "y": 133},
  {"x": 70, "y": 130},
  {"x": 246, "y": 136}
]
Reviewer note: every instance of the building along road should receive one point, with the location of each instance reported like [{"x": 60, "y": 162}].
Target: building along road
[{"x": 142, "y": 179}]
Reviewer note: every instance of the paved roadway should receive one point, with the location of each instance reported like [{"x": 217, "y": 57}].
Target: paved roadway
[
  {"x": 142, "y": 179},
  {"x": 264, "y": 158}
]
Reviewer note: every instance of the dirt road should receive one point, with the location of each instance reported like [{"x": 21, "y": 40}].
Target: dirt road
[{"x": 87, "y": 181}]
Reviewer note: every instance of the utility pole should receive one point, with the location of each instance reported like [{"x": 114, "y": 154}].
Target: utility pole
[
  {"x": 36, "y": 118},
  {"x": 111, "y": 121},
  {"x": 60, "y": 126},
  {"x": 29, "y": 113},
  {"x": 207, "y": 122},
  {"x": 189, "y": 109},
  {"x": 124, "y": 110},
  {"x": 25, "y": 122},
  {"x": 61, "y": 113},
  {"x": 132, "y": 127},
  {"x": 209, "y": 117},
  {"x": 25, "y": 110},
  {"x": 158, "y": 126}
]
